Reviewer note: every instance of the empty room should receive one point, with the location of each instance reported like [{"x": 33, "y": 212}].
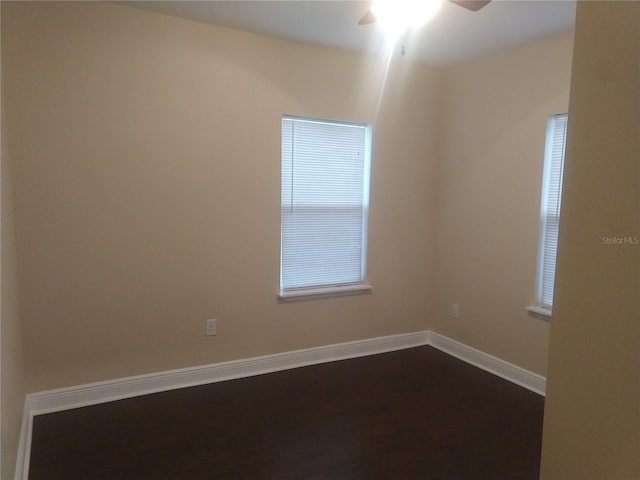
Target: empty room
[{"x": 320, "y": 239}]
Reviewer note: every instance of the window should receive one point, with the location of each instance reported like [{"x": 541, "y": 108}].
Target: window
[
  {"x": 324, "y": 207},
  {"x": 550, "y": 210}
]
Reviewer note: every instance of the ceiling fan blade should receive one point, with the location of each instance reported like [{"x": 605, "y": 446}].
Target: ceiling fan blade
[
  {"x": 368, "y": 18},
  {"x": 473, "y": 5}
]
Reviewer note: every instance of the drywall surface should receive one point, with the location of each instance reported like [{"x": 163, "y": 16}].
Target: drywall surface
[
  {"x": 492, "y": 138},
  {"x": 592, "y": 413},
  {"x": 146, "y": 174},
  {"x": 13, "y": 374}
]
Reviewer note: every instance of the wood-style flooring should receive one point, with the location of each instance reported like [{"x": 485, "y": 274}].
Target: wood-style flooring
[{"x": 411, "y": 414}]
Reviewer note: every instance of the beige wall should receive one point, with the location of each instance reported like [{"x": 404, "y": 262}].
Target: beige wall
[
  {"x": 12, "y": 374},
  {"x": 592, "y": 413},
  {"x": 493, "y": 134},
  {"x": 145, "y": 154}
]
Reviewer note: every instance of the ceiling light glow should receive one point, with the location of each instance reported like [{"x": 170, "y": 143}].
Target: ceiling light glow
[{"x": 397, "y": 16}]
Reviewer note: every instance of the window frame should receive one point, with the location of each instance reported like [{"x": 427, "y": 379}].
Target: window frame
[
  {"x": 337, "y": 288},
  {"x": 543, "y": 306}
]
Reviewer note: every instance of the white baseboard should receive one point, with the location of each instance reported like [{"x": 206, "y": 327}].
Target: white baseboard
[
  {"x": 101, "y": 392},
  {"x": 529, "y": 380},
  {"x": 24, "y": 445}
]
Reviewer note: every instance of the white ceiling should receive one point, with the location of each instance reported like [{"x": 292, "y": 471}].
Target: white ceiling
[{"x": 455, "y": 35}]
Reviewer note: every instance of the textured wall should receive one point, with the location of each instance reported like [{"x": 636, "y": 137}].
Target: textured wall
[
  {"x": 146, "y": 163},
  {"x": 13, "y": 374},
  {"x": 592, "y": 413},
  {"x": 493, "y": 130}
]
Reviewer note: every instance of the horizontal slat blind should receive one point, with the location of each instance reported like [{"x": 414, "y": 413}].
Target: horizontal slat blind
[
  {"x": 550, "y": 208},
  {"x": 324, "y": 203}
]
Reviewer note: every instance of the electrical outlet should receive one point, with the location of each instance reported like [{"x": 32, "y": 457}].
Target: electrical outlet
[
  {"x": 455, "y": 310},
  {"x": 211, "y": 327}
]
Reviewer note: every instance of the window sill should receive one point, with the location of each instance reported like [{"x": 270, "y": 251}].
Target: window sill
[
  {"x": 541, "y": 311},
  {"x": 313, "y": 293}
]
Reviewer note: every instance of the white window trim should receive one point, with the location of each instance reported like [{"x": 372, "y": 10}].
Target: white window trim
[
  {"x": 356, "y": 288},
  {"x": 294, "y": 295},
  {"x": 545, "y": 312},
  {"x": 540, "y": 308}
]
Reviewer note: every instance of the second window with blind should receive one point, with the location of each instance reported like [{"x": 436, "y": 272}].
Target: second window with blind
[
  {"x": 550, "y": 211},
  {"x": 324, "y": 207}
]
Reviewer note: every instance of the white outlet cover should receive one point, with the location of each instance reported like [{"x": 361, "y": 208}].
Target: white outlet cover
[{"x": 211, "y": 327}]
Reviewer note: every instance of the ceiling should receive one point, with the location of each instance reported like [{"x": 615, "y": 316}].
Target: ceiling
[{"x": 454, "y": 36}]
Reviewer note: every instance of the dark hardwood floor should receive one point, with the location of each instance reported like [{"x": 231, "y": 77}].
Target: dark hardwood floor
[{"x": 412, "y": 414}]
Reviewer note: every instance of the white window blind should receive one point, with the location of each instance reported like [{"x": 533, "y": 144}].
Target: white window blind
[
  {"x": 324, "y": 203},
  {"x": 550, "y": 207}
]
